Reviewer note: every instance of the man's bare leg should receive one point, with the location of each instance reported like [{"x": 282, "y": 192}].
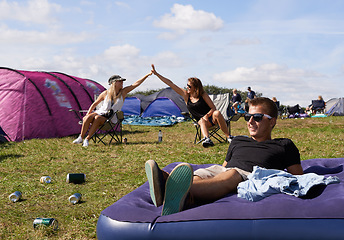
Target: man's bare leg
[{"x": 215, "y": 188}]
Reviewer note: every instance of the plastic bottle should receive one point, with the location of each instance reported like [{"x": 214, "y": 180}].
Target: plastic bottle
[{"x": 160, "y": 136}]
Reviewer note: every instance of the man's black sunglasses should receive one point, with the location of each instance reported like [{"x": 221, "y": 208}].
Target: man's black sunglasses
[{"x": 256, "y": 117}]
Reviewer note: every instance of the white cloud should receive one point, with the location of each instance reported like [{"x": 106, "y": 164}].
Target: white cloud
[
  {"x": 168, "y": 59},
  {"x": 33, "y": 11},
  {"x": 185, "y": 17},
  {"x": 121, "y": 53},
  {"x": 290, "y": 85},
  {"x": 13, "y": 36}
]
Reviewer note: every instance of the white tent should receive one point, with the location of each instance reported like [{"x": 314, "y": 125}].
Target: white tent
[{"x": 335, "y": 107}]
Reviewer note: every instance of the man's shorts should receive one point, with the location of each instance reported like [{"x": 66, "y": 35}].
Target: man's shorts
[{"x": 214, "y": 170}]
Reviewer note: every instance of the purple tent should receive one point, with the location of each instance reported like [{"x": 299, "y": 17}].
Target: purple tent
[{"x": 37, "y": 104}]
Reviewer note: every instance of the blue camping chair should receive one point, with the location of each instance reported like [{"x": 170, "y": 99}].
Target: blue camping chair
[{"x": 318, "y": 106}]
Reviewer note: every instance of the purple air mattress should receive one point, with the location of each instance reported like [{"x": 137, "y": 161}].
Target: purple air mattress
[{"x": 320, "y": 215}]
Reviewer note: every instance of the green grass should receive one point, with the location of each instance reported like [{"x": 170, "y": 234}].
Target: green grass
[{"x": 113, "y": 171}]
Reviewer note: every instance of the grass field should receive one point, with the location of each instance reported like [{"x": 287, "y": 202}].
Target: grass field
[{"x": 113, "y": 171}]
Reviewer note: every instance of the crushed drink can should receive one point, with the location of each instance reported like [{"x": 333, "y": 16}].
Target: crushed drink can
[
  {"x": 75, "y": 198},
  {"x": 15, "y": 197},
  {"x": 45, "y": 179},
  {"x": 47, "y": 222},
  {"x": 76, "y": 178}
]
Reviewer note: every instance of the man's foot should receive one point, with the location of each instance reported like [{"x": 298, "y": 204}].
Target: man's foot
[
  {"x": 207, "y": 143},
  {"x": 78, "y": 140},
  {"x": 177, "y": 188},
  {"x": 85, "y": 144},
  {"x": 156, "y": 182}
]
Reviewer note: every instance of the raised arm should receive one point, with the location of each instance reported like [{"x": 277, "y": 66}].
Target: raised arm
[
  {"x": 167, "y": 81},
  {"x": 128, "y": 89}
]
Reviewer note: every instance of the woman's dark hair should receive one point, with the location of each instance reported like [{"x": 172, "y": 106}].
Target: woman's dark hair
[{"x": 197, "y": 84}]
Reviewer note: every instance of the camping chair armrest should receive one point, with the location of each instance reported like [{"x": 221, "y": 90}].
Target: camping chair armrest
[
  {"x": 79, "y": 114},
  {"x": 81, "y": 111},
  {"x": 120, "y": 115},
  {"x": 186, "y": 114}
]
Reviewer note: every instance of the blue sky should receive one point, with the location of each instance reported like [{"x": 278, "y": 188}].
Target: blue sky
[{"x": 293, "y": 50}]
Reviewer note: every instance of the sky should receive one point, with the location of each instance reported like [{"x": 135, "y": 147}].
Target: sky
[{"x": 289, "y": 49}]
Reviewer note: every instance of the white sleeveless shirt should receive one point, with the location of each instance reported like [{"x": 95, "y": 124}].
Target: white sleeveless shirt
[{"x": 107, "y": 105}]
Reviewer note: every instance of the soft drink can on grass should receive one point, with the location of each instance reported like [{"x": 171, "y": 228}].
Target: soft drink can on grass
[
  {"x": 125, "y": 140},
  {"x": 159, "y": 136},
  {"x": 76, "y": 178},
  {"x": 75, "y": 198},
  {"x": 45, "y": 179},
  {"x": 15, "y": 197},
  {"x": 47, "y": 222}
]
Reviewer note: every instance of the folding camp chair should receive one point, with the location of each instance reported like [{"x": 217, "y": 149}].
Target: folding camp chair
[
  {"x": 318, "y": 106},
  {"x": 114, "y": 130},
  {"x": 221, "y": 102}
]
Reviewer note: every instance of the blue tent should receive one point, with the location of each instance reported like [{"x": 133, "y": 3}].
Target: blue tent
[
  {"x": 162, "y": 107},
  {"x": 166, "y": 93},
  {"x": 131, "y": 106}
]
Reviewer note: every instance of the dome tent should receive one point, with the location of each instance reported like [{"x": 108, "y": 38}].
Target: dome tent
[
  {"x": 335, "y": 107},
  {"x": 162, "y": 106},
  {"x": 164, "y": 93},
  {"x": 36, "y": 104}
]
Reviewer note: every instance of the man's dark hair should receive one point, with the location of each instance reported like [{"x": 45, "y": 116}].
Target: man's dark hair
[{"x": 267, "y": 104}]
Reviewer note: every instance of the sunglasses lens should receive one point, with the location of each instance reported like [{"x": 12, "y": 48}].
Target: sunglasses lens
[
  {"x": 247, "y": 117},
  {"x": 256, "y": 117}
]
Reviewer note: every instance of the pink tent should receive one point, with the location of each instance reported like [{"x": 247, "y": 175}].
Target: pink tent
[{"x": 37, "y": 104}]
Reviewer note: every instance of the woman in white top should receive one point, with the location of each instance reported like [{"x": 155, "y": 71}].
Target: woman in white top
[{"x": 112, "y": 99}]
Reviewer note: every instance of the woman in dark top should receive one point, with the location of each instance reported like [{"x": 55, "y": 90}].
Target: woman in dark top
[{"x": 200, "y": 106}]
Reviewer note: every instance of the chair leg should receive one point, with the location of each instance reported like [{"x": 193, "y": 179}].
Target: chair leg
[
  {"x": 198, "y": 135},
  {"x": 229, "y": 128},
  {"x": 111, "y": 132},
  {"x": 216, "y": 135}
]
